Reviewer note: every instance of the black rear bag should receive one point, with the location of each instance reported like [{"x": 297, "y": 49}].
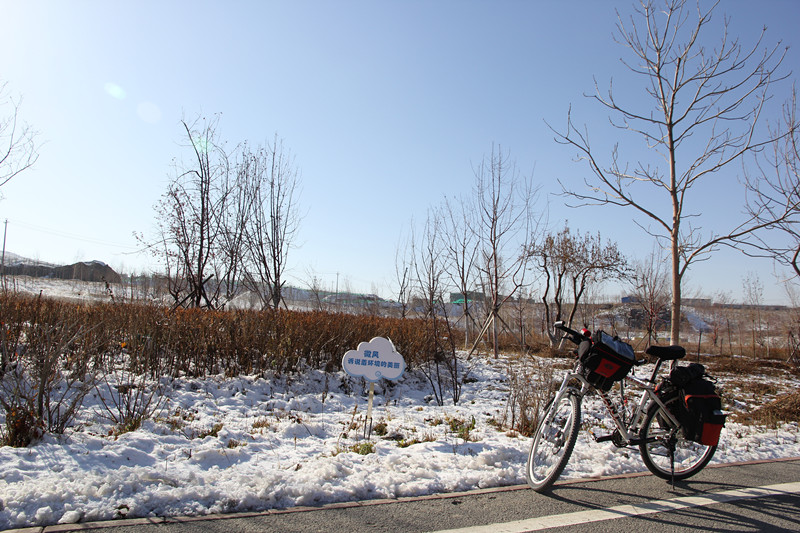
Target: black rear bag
[{"x": 702, "y": 415}]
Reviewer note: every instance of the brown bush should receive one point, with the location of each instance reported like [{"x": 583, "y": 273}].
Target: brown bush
[
  {"x": 50, "y": 355},
  {"x": 162, "y": 342}
]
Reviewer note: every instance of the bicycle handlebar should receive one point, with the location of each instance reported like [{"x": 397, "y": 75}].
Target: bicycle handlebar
[
  {"x": 572, "y": 335},
  {"x": 578, "y": 338}
]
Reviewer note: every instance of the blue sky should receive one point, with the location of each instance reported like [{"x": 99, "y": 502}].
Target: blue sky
[{"x": 385, "y": 105}]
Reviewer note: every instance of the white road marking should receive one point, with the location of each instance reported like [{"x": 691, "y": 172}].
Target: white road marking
[{"x": 623, "y": 511}]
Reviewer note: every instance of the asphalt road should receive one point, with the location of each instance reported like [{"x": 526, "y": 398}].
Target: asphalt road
[{"x": 744, "y": 497}]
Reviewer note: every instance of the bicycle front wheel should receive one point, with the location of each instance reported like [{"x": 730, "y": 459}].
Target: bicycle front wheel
[
  {"x": 665, "y": 451},
  {"x": 553, "y": 442}
]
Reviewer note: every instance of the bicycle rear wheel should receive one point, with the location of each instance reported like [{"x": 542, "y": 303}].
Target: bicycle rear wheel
[
  {"x": 553, "y": 442},
  {"x": 665, "y": 451}
]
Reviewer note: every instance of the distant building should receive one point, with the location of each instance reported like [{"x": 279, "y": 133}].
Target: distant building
[
  {"x": 694, "y": 302},
  {"x": 352, "y": 299},
  {"x": 697, "y": 302},
  {"x": 472, "y": 296}
]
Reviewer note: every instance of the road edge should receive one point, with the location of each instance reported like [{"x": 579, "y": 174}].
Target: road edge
[{"x": 86, "y": 526}]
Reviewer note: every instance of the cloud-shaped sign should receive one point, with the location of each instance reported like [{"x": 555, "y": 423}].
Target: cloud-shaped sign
[{"x": 374, "y": 360}]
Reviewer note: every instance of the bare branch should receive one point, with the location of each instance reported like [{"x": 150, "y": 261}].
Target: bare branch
[
  {"x": 17, "y": 140},
  {"x": 714, "y": 98}
]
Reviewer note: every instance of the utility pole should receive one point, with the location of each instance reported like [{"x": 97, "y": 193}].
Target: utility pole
[{"x": 3, "y": 259}]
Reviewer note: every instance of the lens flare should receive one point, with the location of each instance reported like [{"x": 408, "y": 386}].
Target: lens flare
[
  {"x": 115, "y": 91},
  {"x": 200, "y": 144}
]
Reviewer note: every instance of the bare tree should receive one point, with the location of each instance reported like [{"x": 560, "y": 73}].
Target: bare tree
[
  {"x": 234, "y": 218},
  {"x": 754, "y": 303},
  {"x": 315, "y": 289},
  {"x": 440, "y": 363},
  {"x": 706, "y": 114},
  {"x": 461, "y": 252},
  {"x": 403, "y": 265},
  {"x": 650, "y": 284},
  {"x": 504, "y": 203},
  {"x": 570, "y": 264},
  {"x": 274, "y": 221},
  {"x": 793, "y": 327},
  {"x": 189, "y": 217},
  {"x": 720, "y": 321},
  {"x": 17, "y": 139}
]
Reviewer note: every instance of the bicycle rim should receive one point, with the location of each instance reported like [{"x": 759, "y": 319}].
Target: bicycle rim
[
  {"x": 553, "y": 442},
  {"x": 689, "y": 457}
]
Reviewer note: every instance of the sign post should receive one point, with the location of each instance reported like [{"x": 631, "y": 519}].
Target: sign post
[
  {"x": 368, "y": 421},
  {"x": 374, "y": 360}
]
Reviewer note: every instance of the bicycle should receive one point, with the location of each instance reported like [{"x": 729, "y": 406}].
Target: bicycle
[{"x": 653, "y": 425}]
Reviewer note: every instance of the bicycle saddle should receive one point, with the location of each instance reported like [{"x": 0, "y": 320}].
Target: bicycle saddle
[{"x": 666, "y": 353}]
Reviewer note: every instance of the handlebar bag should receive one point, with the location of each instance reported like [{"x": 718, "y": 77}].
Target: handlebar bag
[{"x": 606, "y": 360}]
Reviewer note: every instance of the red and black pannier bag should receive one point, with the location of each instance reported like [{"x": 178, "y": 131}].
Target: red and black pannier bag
[
  {"x": 705, "y": 409},
  {"x": 605, "y": 360},
  {"x": 703, "y": 418}
]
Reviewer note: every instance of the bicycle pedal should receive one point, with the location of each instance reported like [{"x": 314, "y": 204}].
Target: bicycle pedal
[{"x": 604, "y": 438}]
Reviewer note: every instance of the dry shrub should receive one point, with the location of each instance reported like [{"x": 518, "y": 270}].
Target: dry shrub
[
  {"x": 50, "y": 355},
  {"x": 160, "y": 342},
  {"x": 541, "y": 348},
  {"x": 785, "y": 408},
  {"x": 531, "y": 386},
  {"x": 730, "y": 364},
  {"x": 127, "y": 399}
]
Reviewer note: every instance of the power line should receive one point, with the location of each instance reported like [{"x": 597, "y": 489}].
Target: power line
[{"x": 72, "y": 236}]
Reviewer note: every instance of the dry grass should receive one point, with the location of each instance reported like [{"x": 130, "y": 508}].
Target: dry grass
[
  {"x": 785, "y": 408},
  {"x": 743, "y": 365},
  {"x": 755, "y": 388}
]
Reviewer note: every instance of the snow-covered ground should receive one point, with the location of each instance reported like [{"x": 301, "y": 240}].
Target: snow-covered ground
[
  {"x": 254, "y": 443},
  {"x": 65, "y": 289}
]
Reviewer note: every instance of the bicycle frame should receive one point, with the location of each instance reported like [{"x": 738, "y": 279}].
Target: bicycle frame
[{"x": 629, "y": 430}]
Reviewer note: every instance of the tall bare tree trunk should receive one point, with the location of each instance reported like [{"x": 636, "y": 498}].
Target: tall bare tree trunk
[{"x": 709, "y": 103}]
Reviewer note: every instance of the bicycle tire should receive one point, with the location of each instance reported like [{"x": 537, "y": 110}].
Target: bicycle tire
[
  {"x": 689, "y": 457},
  {"x": 553, "y": 442}
]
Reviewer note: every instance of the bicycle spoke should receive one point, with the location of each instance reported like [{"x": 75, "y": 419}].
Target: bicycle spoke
[{"x": 553, "y": 442}]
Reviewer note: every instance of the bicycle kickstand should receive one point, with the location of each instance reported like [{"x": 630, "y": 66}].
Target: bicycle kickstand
[{"x": 672, "y": 467}]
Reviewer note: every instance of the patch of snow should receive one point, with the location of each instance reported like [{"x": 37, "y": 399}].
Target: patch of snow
[
  {"x": 697, "y": 322},
  {"x": 12, "y": 259}
]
